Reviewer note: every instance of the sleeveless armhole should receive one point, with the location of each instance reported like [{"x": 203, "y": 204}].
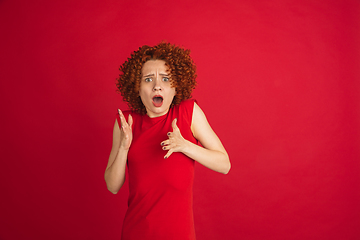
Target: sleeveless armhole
[{"x": 188, "y": 109}]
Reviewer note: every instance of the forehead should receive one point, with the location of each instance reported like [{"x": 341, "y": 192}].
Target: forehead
[{"x": 153, "y": 66}]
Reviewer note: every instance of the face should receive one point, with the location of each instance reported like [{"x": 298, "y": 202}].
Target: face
[{"x": 155, "y": 91}]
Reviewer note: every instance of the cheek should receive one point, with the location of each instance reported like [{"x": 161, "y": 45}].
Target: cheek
[
  {"x": 143, "y": 90},
  {"x": 142, "y": 94},
  {"x": 172, "y": 89}
]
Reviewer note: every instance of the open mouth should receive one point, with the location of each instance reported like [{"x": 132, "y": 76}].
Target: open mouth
[{"x": 157, "y": 101}]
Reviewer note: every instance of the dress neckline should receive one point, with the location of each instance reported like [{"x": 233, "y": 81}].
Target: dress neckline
[{"x": 156, "y": 119}]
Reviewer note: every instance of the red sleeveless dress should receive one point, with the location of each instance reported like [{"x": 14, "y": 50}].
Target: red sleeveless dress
[{"x": 160, "y": 204}]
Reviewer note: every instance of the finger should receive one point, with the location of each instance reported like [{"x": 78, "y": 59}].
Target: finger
[
  {"x": 170, "y": 146},
  {"x": 173, "y": 124},
  {"x": 164, "y": 143},
  {"x": 168, "y": 154},
  {"x": 122, "y": 119},
  {"x": 130, "y": 120},
  {"x": 119, "y": 112}
]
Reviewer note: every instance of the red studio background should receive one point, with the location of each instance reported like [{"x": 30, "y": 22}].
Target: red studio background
[{"x": 278, "y": 81}]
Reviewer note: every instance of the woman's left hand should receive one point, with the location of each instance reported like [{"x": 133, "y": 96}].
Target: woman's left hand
[{"x": 176, "y": 142}]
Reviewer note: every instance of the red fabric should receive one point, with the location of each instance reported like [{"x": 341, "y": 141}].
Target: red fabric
[
  {"x": 277, "y": 80},
  {"x": 160, "y": 200}
]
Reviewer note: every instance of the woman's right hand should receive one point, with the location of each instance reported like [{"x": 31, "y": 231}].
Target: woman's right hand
[
  {"x": 125, "y": 131},
  {"x": 122, "y": 138}
]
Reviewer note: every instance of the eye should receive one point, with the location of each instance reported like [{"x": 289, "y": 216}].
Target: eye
[
  {"x": 165, "y": 79},
  {"x": 148, "y": 79}
]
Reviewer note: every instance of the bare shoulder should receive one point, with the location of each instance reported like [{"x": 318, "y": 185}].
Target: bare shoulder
[
  {"x": 202, "y": 130},
  {"x": 198, "y": 119}
]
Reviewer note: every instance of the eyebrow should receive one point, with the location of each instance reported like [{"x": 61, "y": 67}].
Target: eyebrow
[{"x": 161, "y": 74}]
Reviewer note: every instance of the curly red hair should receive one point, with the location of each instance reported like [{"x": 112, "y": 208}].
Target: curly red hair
[{"x": 181, "y": 69}]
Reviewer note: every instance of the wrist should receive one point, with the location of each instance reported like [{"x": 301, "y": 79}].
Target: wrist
[
  {"x": 123, "y": 148},
  {"x": 187, "y": 146}
]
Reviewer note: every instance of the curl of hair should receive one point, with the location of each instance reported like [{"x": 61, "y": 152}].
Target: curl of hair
[{"x": 181, "y": 68}]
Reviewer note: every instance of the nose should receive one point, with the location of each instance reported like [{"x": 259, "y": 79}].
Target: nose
[{"x": 157, "y": 85}]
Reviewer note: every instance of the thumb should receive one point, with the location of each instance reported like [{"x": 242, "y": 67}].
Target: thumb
[
  {"x": 174, "y": 126},
  {"x": 130, "y": 120}
]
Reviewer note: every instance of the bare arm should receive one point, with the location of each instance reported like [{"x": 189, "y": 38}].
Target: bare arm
[
  {"x": 212, "y": 155},
  {"x": 115, "y": 170}
]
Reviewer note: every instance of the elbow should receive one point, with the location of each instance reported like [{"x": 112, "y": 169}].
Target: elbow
[
  {"x": 227, "y": 166},
  {"x": 112, "y": 189},
  {"x": 226, "y": 170}
]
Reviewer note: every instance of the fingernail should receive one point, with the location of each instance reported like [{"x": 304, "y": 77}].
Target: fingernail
[
  {"x": 168, "y": 134},
  {"x": 162, "y": 144},
  {"x": 165, "y": 157},
  {"x": 163, "y": 148}
]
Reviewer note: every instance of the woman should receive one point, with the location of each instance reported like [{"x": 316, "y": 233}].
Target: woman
[{"x": 158, "y": 141}]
